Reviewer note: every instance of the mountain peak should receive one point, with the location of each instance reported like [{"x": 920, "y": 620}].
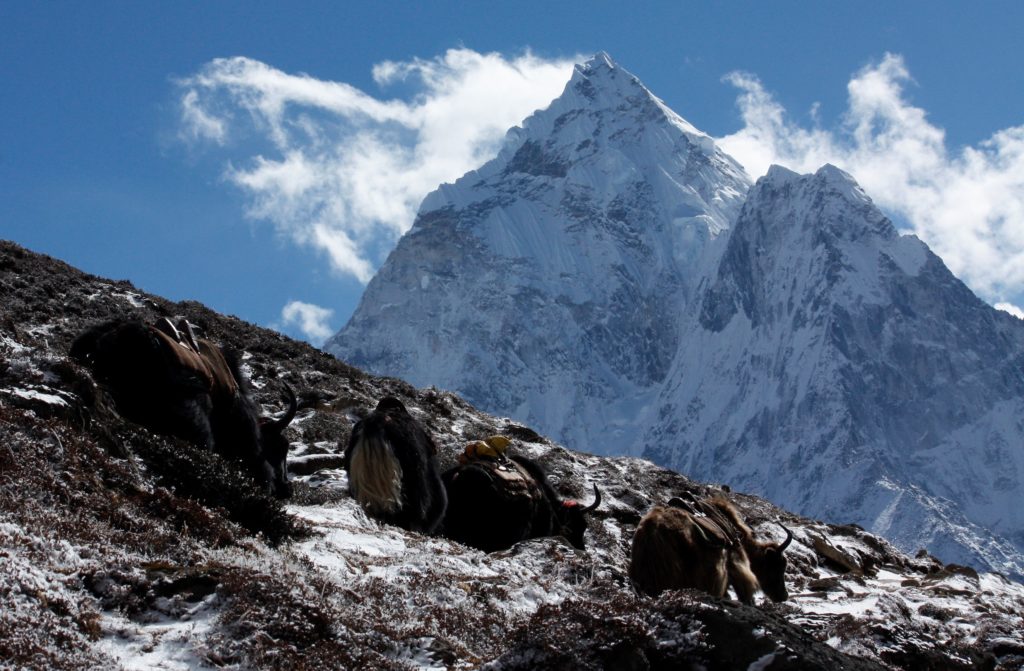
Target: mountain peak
[
  {"x": 594, "y": 219},
  {"x": 600, "y": 82},
  {"x": 599, "y": 60},
  {"x": 829, "y": 199},
  {"x": 826, "y": 174},
  {"x": 833, "y": 174},
  {"x": 778, "y": 174},
  {"x": 605, "y": 132}
]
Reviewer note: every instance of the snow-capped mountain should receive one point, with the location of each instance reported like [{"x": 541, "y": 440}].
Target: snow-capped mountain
[
  {"x": 547, "y": 284},
  {"x": 608, "y": 279}
]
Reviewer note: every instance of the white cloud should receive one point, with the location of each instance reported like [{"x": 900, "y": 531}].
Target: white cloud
[
  {"x": 967, "y": 203},
  {"x": 1011, "y": 308},
  {"x": 311, "y": 320},
  {"x": 343, "y": 168},
  {"x": 197, "y": 124}
]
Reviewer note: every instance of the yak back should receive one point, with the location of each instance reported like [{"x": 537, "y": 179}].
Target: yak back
[
  {"x": 718, "y": 522},
  {"x": 670, "y": 550},
  {"x": 209, "y": 363},
  {"x": 494, "y": 504}
]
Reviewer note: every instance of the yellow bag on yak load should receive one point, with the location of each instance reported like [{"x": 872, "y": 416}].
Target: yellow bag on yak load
[{"x": 489, "y": 448}]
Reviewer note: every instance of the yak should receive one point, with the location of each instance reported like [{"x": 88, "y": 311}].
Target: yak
[
  {"x": 494, "y": 504},
  {"x": 174, "y": 383},
  {"x": 392, "y": 469},
  {"x": 706, "y": 546}
]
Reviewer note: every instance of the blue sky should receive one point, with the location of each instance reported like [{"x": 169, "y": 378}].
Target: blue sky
[{"x": 129, "y": 150}]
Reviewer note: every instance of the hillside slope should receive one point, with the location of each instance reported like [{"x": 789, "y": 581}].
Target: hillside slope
[{"x": 124, "y": 549}]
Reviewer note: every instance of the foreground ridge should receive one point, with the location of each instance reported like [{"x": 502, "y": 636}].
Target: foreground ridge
[{"x": 117, "y": 551}]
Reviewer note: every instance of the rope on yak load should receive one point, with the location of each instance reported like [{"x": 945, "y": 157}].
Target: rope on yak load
[
  {"x": 182, "y": 333},
  {"x": 491, "y": 454},
  {"x": 709, "y": 520}
]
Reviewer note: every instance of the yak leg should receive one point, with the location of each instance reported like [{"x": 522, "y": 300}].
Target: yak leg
[
  {"x": 742, "y": 579},
  {"x": 191, "y": 421},
  {"x": 438, "y": 501}
]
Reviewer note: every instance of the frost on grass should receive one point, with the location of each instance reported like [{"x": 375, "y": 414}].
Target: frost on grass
[{"x": 123, "y": 549}]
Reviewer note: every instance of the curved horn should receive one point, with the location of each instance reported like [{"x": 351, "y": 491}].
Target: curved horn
[
  {"x": 597, "y": 501},
  {"x": 289, "y": 415},
  {"x": 789, "y": 538}
]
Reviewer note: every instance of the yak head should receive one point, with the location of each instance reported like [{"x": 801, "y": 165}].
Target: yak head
[
  {"x": 274, "y": 449},
  {"x": 572, "y": 517},
  {"x": 768, "y": 562}
]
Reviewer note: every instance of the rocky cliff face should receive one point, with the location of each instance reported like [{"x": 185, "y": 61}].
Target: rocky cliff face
[
  {"x": 838, "y": 367},
  {"x": 608, "y": 279}
]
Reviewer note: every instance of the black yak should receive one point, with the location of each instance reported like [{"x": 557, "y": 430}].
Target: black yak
[
  {"x": 189, "y": 388},
  {"x": 705, "y": 546},
  {"x": 392, "y": 469},
  {"x": 495, "y": 503}
]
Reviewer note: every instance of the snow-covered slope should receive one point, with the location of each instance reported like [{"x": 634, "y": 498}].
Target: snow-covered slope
[
  {"x": 122, "y": 549},
  {"x": 545, "y": 284},
  {"x": 598, "y": 280}
]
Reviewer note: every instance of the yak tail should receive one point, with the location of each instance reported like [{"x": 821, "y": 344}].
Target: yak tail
[{"x": 375, "y": 476}]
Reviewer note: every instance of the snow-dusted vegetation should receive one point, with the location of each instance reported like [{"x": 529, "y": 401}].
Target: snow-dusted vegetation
[{"x": 120, "y": 548}]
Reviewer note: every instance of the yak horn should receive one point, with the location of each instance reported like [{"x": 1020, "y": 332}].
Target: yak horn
[
  {"x": 289, "y": 415},
  {"x": 789, "y": 538},
  {"x": 597, "y": 501}
]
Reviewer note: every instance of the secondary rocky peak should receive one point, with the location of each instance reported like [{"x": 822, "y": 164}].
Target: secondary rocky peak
[{"x": 803, "y": 241}]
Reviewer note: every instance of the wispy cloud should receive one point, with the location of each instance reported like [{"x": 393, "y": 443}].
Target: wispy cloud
[
  {"x": 343, "y": 171},
  {"x": 197, "y": 124},
  {"x": 1011, "y": 308},
  {"x": 966, "y": 203},
  {"x": 311, "y": 320}
]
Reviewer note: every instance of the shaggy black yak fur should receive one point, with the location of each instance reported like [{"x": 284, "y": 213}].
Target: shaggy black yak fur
[{"x": 392, "y": 469}]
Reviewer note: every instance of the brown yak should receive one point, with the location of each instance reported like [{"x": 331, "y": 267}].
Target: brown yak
[
  {"x": 188, "y": 388},
  {"x": 705, "y": 545}
]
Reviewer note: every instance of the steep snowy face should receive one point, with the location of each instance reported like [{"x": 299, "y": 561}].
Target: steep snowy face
[
  {"x": 835, "y": 366},
  {"x": 547, "y": 284}
]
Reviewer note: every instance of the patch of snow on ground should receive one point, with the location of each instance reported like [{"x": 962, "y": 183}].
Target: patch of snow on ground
[
  {"x": 33, "y": 395},
  {"x": 349, "y": 537},
  {"x": 132, "y": 298},
  {"x": 167, "y": 644},
  {"x": 40, "y": 330},
  {"x": 11, "y": 345}
]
